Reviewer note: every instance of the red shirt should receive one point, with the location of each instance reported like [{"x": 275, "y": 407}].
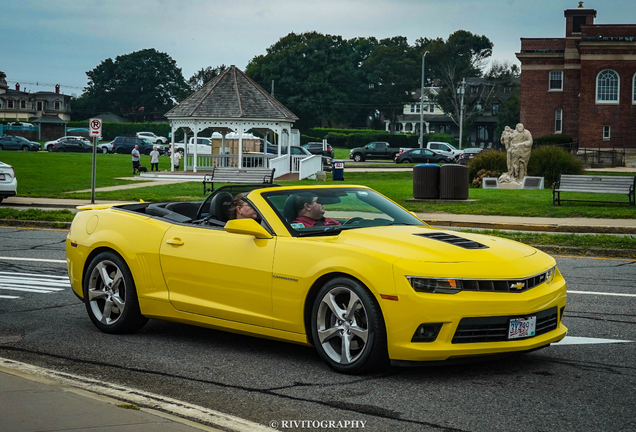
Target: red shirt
[{"x": 310, "y": 223}]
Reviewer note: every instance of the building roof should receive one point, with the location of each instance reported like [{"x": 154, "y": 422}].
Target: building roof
[
  {"x": 49, "y": 119},
  {"x": 232, "y": 95},
  {"x": 109, "y": 117}
]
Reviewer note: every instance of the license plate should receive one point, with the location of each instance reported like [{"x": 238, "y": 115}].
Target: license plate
[
  {"x": 522, "y": 327},
  {"x": 2, "y": 177}
]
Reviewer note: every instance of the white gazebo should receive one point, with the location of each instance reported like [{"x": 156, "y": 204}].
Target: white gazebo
[{"x": 233, "y": 105}]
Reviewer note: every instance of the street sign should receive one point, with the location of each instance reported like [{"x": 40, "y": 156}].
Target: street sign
[{"x": 95, "y": 127}]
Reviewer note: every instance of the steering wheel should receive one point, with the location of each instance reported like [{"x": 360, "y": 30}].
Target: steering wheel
[{"x": 353, "y": 220}]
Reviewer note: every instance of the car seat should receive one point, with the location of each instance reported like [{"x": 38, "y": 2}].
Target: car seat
[
  {"x": 289, "y": 209},
  {"x": 220, "y": 206}
]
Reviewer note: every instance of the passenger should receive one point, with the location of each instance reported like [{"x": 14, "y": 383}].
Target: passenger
[
  {"x": 241, "y": 209},
  {"x": 311, "y": 213}
]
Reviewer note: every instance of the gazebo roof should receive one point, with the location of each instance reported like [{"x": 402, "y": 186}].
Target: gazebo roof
[{"x": 232, "y": 95}]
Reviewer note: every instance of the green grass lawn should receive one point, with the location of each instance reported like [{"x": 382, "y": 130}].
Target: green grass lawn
[{"x": 52, "y": 175}]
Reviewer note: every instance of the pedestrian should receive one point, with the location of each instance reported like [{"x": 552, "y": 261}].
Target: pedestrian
[
  {"x": 176, "y": 160},
  {"x": 154, "y": 159},
  {"x": 135, "y": 159}
]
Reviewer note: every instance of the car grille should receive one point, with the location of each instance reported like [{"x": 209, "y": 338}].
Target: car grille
[
  {"x": 498, "y": 285},
  {"x": 454, "y": 240},
  {"x": 495, "y": 329}
]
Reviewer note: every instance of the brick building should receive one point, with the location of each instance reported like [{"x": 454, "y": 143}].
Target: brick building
[{"x": 582, "y": 85}]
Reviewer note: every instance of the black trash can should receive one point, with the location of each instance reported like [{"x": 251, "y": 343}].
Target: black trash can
[
  {"x": 426, "y": 181},
  {"x": 337, "y": 170},
  {"x": 453, "y": 182}
]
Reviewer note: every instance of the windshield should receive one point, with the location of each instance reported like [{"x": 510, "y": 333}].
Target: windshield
[{"x": 329, "y": 211}]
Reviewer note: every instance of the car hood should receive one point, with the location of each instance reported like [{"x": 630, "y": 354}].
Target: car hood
[{"x": 413, "y": 243}]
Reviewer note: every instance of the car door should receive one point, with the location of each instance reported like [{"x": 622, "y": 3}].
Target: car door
[
  {"x": 13, "y": 144},
  {"x": 218, "y": 274},
  {"x": 72, "y": 145}
]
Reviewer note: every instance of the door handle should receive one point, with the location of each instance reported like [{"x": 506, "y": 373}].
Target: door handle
[{"x": 175, "y": 242}]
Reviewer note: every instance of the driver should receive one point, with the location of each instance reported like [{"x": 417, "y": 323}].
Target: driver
[
  {"x": 241, "y": 209},
  {"x": 311, "y": 212}
]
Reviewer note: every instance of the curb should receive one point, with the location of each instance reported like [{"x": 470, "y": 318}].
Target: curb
[{"x": 35, "y": 224}]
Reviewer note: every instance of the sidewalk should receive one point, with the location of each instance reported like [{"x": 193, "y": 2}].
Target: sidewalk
[{"x": 32, "y": 403}]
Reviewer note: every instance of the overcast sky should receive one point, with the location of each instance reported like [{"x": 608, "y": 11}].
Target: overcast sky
[{"x": 50, "y": 42}]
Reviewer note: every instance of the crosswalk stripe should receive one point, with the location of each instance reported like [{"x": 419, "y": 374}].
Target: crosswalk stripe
[{"x": 32, "y": 283}]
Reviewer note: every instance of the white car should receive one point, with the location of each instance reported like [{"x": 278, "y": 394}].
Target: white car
[
  {"x": 445, "y": 149},
  {"x": 8, "y": 182},
  {"x": 155, "y": 139},
  {"x": 49, "y": 145}
]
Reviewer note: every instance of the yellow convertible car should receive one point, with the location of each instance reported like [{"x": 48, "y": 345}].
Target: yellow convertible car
[{"x": 342, "y": 268}]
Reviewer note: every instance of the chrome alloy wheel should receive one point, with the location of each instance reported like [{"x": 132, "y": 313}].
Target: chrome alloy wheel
[
  {"x": 342, "y": 325},
  {"x": 107, "y": 292}
]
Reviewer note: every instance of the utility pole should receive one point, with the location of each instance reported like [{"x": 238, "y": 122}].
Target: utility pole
[
  {"x": 461, "y": 90},
  {"x": 422, "y": 104}
]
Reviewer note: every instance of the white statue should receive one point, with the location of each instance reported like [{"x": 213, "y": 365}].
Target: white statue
[{"x": 518, "y": 144}]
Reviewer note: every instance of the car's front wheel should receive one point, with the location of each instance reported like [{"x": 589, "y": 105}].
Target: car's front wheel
[
  {"x": 25, "y": 148},
  {"x": 347, "y": 327},
  {"x": 110, "y": 295}
]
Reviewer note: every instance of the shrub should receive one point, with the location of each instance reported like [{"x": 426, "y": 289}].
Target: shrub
[
  {"x": 549, "y": 162},
  {"x": 488, "y": 160}
]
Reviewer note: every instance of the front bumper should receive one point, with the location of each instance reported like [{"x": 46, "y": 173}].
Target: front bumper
[{"x": 460, "y": 314}]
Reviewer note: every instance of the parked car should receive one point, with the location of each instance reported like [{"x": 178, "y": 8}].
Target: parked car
[
  {"x": 373, "y": 150},
  {"x": 318, "y": 148},
  {"x": 468, "y": 154},
  {"x": 12, "y": 142},
  {"x": 49, "y": 144},
  {"x": 420, "y": 156},
  {"x": 71, "y": 145},
  {"x": 373, "y": 287},
  {"x": 8, "y": 182},
  {"x": 445, "y": 149},
  {"x": 154, "y": 139},
  {"x": 105, "y": 147},
  {"x": 125, "y": 145}
]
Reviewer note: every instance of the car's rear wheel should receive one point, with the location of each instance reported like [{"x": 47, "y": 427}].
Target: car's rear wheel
[
  {"x": 347, "y": 327},
  {"x": 110, "y": 295},
  {"x": 61, "y": 149},
  {"x": 358, "y": 158},
  {"x": 104, "y": 150}
]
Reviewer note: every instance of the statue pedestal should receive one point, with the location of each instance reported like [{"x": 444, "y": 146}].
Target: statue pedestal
[{"x": 511, "y": 185}]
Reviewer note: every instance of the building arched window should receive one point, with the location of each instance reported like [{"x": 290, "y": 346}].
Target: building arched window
[{"x": 607, "y": 83}]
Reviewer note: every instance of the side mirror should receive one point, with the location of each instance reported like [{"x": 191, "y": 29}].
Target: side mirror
[{"x": 247, "y": 227}]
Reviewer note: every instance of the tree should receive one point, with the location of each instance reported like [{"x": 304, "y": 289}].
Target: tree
[
  {"x": 313, "y": 76},
  {"x": 462, "y": 55},
  {"x": 508, "y": 115},
  {"x": 140, "y": 85},
  {"x": 392, "y": 72},
  {"x": 202, "y": 76}
]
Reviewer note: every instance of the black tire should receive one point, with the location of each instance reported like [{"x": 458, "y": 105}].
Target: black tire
[
  {"x": 110, "y": 295},
  {"x": 50, "y": 148},
  {"x": 61, "y": 149},
  {"x": 147, "y": 153},
  {"x": 25, "y": 148},
  {"x": 120, "y": 151},
  {"x": 407, "y": 161},
  {"x": 104, "y": 150},
  {"x": 330, "y": 328},
  {"x": 358, "y": 157}
]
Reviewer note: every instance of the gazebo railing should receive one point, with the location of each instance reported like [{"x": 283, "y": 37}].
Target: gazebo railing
[{"x": 209, "y": 162}]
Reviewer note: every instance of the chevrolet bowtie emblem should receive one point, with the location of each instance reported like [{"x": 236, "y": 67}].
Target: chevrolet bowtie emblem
[{"x": 518, "y": 286}]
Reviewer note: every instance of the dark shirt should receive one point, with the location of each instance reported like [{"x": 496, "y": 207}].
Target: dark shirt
[{"x": 309, "y": 222}]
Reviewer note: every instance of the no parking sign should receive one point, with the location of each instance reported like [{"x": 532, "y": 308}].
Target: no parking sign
[{"x": 95, "y": 127}]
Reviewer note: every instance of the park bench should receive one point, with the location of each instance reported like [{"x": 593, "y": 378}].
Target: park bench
[
  {"x": 594, "y": 184},
  {"x": 237, "y": 175}
]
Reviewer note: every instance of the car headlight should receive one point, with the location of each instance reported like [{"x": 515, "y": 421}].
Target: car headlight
[
  {"x": 429, "y": 285},
  {"x": 549, "y": 275}
]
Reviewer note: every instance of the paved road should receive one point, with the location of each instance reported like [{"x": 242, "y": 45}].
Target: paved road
[{"x": 587, "y": 385}]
